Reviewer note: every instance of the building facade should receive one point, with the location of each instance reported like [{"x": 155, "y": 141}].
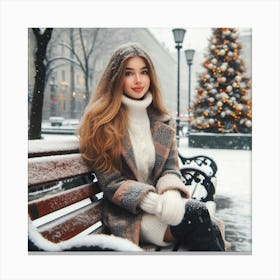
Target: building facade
[{"x": 65, "y": 91}]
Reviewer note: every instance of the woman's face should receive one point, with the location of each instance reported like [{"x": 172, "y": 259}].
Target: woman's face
[{"x": 136, "y": 80}]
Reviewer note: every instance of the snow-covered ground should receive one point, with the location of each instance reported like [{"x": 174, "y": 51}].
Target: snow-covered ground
[
  {"x": 234, "y": 168},
  {"x": 233, "y": 193}
]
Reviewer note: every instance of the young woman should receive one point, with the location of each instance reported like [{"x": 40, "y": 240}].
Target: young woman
[{"x": 128, "y": 139}]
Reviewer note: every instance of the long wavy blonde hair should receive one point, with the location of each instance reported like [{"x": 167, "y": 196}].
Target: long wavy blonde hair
[{"x": 105, "y": 119}]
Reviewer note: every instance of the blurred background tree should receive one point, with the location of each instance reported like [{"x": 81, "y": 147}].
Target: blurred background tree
[
  {"x": 223, "y": 101},
  {"x": 80, "y": 44}
]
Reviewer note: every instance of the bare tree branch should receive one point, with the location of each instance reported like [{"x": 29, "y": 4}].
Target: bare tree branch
[
  {"x": 93, "y": 43},
  {"x": 83, "y": 44},
  {"x": 80, "y": 63},
  {"x": 62, "y": 58}
]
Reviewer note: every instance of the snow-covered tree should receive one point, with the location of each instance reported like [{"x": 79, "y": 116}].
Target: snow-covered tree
[{"x": 223, "y": 101}]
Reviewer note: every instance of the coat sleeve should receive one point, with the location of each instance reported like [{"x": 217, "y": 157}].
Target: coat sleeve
[
  {"x": 121, "y": 191},
  {"x": 171, "y": 178}
]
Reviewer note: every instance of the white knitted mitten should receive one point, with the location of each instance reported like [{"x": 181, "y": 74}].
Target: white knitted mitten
[
  {"x": 172, "y": 207},
  {"x": 169, "y": 206},
  {"x": 151, "y": 203}
]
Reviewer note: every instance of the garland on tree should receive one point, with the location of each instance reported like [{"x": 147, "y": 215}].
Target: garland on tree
[{"x": 223, "y": 103}]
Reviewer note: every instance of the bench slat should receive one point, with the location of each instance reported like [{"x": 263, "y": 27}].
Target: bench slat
[
  {"x": 73, "y": 223},
  {"x": 38, "y": 148},
  {"x": 43, "y": 206},
  {"x": 48, "y": 169}
]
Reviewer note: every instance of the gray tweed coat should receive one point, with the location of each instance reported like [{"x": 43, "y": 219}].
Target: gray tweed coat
[{"x": 123, "y": 190}]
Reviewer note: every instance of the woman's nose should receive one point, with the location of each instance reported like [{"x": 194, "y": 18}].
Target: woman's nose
[{"x": 137, "y": 78}]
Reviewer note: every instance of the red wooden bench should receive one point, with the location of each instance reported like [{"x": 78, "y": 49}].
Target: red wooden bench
[{"x": 64, "y": 200}]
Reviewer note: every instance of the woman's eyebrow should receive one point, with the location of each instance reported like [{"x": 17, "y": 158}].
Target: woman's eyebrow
[{"x": 129, "y": 68}]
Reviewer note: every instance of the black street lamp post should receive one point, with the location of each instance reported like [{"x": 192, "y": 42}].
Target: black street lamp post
[
  {"x": 178, "y": 34},
  {"x": 189, "y": 57}
]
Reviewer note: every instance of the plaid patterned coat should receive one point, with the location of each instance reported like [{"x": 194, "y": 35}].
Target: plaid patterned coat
[{"x": 123, "y": 190}]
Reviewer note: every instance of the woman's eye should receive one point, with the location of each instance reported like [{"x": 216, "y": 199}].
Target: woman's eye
[
  {"x": 145, "y": 72},
  {"x": 128, "y": 73}
]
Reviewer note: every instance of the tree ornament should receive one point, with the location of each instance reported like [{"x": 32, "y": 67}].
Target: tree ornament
[
  {"x": 228, "y": 112},
  {"x": 230, "y": 70},
  {"x": 218, "y": 96},
  {"x": 212, "y": 47},
  {"x": 226, "y": 32},
  {"x": 214, "y": 60},
  {"x": 223, "y": 67},
  {"x": 229, "y": 88},
  {"x": 248, "y": 123},
  {"x": 239, "y": 107},
  {"x": 224, "y": 95},
  {"x": 222, "y": 52},
  {"x": 223, "y": 114}
]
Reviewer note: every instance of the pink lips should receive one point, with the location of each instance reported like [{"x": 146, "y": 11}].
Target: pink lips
[{"x": 138, "y": 89}]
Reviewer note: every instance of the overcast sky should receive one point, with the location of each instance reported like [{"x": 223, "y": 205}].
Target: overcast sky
[{"x": 195, "y": 38}]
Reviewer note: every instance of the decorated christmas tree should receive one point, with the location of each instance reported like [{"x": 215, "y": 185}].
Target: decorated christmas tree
[{"x": 223, "y": 99}]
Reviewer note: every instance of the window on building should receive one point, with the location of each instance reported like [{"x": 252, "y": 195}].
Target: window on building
[
  {"x": 62, "y": 50},
  {"x": 63, "y": 75}
]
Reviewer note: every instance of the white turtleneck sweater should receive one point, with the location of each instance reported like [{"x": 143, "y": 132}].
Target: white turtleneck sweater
[
  {"x": 140, "y": 134},
  {"x": 152, "y": 229}
]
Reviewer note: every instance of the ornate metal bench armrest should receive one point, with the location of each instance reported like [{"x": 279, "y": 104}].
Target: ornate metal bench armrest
[
  {"x": 201, "y": 162},
  {"x": 198, "y": 183}
]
